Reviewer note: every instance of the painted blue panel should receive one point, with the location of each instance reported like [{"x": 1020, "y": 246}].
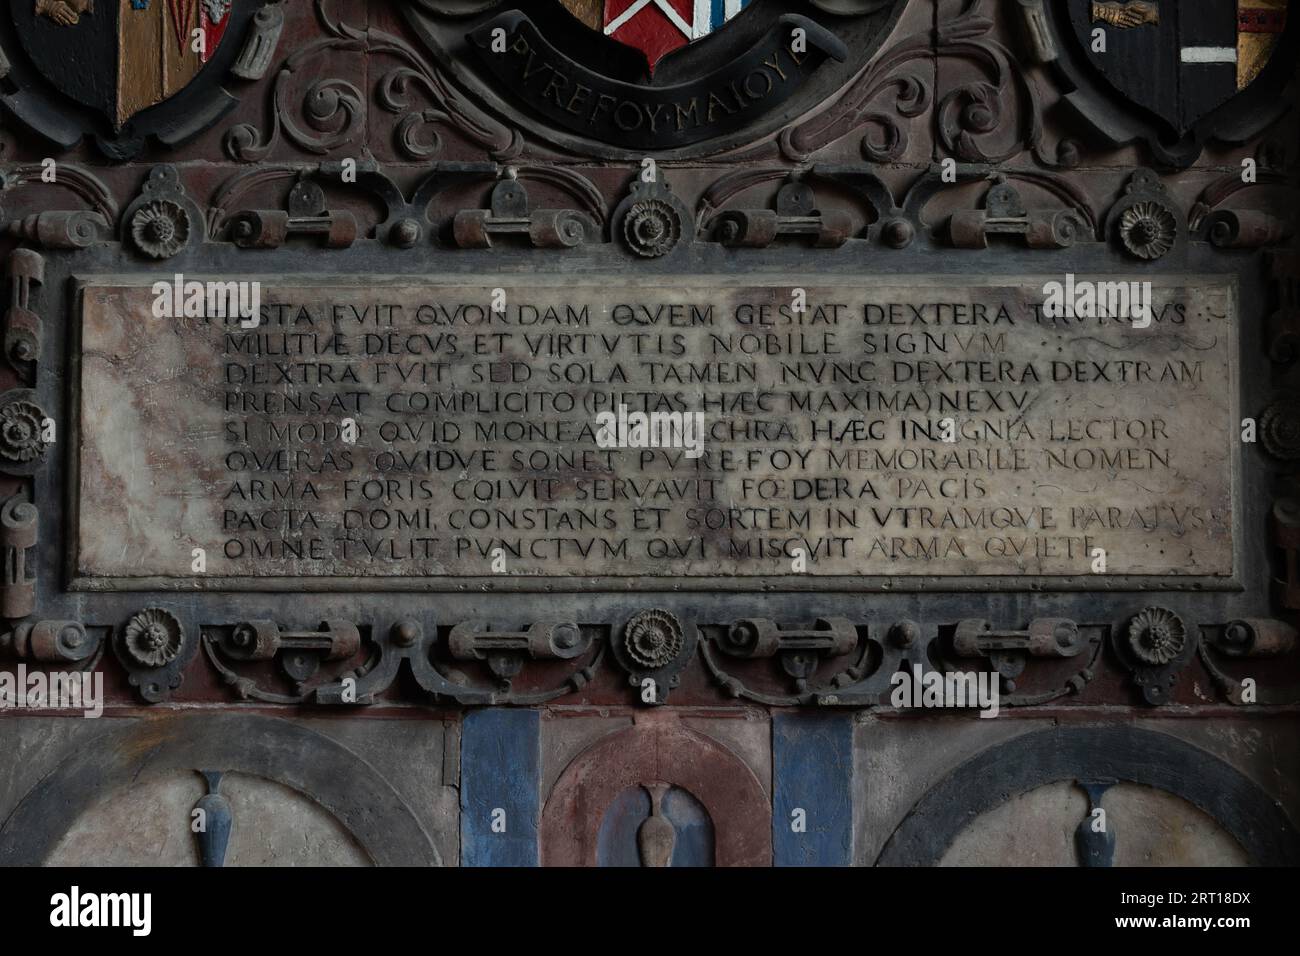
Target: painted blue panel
[
  {"x": 616, "y": 844},
  {"x": 812, "y": 770},
  {"x": 500, "y": 770}
]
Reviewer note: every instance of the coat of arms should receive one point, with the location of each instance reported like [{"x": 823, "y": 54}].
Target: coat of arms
[
  {"x": 660, "y": 74},
  {"x": 655, "y": 27},
  {"x": 129, "y": 55},
  {"x": 1179, "y": 60}
]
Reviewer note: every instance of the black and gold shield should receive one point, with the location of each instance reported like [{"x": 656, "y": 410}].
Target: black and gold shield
[
  {"x": 120, "y": 57},
  {"x": 1179, "y": 60}
]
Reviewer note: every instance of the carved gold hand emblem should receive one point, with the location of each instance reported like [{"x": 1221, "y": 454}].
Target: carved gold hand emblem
[
  {"x": 66, "y": 13},
  {"x": 1125, "y": 15}
]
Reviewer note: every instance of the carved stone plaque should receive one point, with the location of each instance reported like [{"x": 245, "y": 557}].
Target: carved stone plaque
[{"x": 852, "y": 430}]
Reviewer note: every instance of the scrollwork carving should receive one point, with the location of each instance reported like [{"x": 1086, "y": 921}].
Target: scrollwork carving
[{"x": 333, "y": 111}]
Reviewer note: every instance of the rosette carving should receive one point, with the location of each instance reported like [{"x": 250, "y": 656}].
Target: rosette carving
[
  {"x": 1157, "y": 635},
  {"x": 653, "y": 638},
  {"x": 20, "y": 432},
  {"x": 652, "y": 228},
  {"x": 160, "y": 229},
  {"x": 654, "y": 648},
  {"x": 1279, "y": 428},
  {"x": 153, "y": 638},
  {"x": 1148, "y": 229}
]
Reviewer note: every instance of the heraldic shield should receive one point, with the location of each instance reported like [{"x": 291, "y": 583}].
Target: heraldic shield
[
  {"x": 1179, "y": 60},
  {"x": 120, "y": 57},
  {"x": 655, "y": 27}
]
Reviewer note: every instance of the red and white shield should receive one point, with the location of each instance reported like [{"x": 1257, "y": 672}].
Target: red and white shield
[{"x": 657, "y": 27}]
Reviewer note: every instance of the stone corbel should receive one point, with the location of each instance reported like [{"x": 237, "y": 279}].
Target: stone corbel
[
  {"x": 1244, "y": 639},
  {"x": 800, "y": 650},
  {"x": 796, "y": 217},
  {"x": 409, "y": 644},
  {"x": 1004, "y": 214},
  {"x": 51, "y": 642},
  {"x": 22, "y": 324},
  {"x": 509, "y": 216},
  {"x": 297, "y": 654},
  {"x": 307, "y": 215},
  {"x": 19, "y": 532}
]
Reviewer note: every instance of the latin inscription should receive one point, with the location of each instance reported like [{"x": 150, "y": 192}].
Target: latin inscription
[{"x": 448, "y": 430}]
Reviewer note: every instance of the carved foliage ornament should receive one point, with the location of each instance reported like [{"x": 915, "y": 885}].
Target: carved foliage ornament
[{"x": 1157, "y": 635}]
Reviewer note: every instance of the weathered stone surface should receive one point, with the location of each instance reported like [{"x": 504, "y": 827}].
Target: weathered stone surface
[
  {"x": 1152, "y": 828},
  {"x": 478, "y": 451},
  {"x": 273, "y": 826}
]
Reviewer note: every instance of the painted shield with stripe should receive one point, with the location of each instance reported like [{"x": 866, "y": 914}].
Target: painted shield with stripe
[
  {"x": 655, "y": 27},
  {"x": 1179, "y": 60},
  {"x": 120, "y": 57}
]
